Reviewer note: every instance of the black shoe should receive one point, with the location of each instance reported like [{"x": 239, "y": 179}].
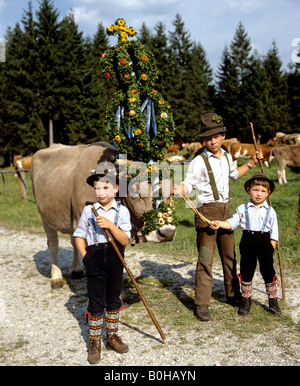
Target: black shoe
[
  {"x": 274, "y": 307},
  {"x": 202, "y": 313},
  {"x": 245, "y": 306}
]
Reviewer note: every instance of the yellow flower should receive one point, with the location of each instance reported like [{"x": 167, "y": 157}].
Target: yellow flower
[
  {"x": 132, "y": 100},
  {"x": 117, "y": 138},
  {"x": 127, "y": 76},
  {"x": 144, "y": 77},
  {"x": 138, "y": 132},
  {"x": 123, "y": 34},
  {"x": 166, "y": 129},
  {"x": 124, "y": 40},
  {"x": 149, "y": 168},
  {"x": 161, "y": 101},
  {"x": 121, "y": 22},
  {"x": 132, "y": 31},
  {"x": 111, "y": 28},
  {"x": 116, "y": 28},
  {"x": 131, "y": 113}
]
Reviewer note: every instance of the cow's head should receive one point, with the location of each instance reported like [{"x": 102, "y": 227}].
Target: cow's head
[
  {"x": 140, "y": 195},
  {"x": 141, "y": 203}
]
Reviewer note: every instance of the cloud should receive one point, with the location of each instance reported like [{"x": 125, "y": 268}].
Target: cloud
[{"x": 89, "y": 13}]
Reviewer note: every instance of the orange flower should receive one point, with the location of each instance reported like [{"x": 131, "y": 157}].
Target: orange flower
[
  {"x": 161, "y": 101},
  {"x": 107, "y": 75},
  {"x": 144, "y": 58},
  {"x": 123, "y": 61},
  {"x": 144, "y": 77},
  {"x": 127, "y": 76},
  {"x": 133, "y": 91}
]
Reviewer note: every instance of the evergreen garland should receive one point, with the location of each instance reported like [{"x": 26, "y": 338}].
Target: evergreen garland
[{"x": 130, "y": 67}]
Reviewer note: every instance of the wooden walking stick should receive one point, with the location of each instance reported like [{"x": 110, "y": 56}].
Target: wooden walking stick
[
  {"x": 111, "y": 240},
  {"x": 269, "y": 200}
]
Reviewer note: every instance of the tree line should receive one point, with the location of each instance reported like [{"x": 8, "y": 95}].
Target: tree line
[{"x": 53, "y": 89}]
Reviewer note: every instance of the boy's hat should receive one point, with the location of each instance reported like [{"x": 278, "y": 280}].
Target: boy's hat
[
  {"x": 211, "y": 124},
  {"x": 106, "y": 170},
  {"x": 259, "y": 176}
]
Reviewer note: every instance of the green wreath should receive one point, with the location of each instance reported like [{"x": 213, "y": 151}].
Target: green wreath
[{"x": 130, "y": 67}]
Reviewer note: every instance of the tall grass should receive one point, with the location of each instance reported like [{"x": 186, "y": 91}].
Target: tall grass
[{"x": 23, "y": 215}]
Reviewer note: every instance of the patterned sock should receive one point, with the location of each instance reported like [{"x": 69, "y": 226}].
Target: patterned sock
[
  {"x": 246, "y": 289},
  {"x": 112, "y": 322},
  {"x": 95, "y": 326},
  {"x": 272, "y": 288}
]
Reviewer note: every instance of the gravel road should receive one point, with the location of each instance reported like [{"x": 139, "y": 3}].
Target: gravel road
[{"x": 44, "y": 327}]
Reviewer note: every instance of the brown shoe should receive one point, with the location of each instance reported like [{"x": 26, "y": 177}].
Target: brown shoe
[
  {"x": 114, "y": 342},
  {"x": 202, "y": 313},
  {"x": 94, "y": 351}
]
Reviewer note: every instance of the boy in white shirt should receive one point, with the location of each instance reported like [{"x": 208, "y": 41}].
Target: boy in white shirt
[
  {"x": 258, "y": 221},
  {"x": 104, "y": 270}
]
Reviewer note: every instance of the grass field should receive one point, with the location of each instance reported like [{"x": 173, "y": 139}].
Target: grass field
[{"x": 23, "y": 215}]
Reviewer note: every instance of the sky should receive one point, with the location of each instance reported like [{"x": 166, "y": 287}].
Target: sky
[{"x": 212, "y": 23}]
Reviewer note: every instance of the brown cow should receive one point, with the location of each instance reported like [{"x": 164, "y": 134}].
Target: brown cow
[
  {"x": 245, "y": 150},
  {"x": 21, "y": 162},
  {"x": 59, "y": 186},
  {"x": 286, "y": 155},
  {"x": 174, "y": 148}
]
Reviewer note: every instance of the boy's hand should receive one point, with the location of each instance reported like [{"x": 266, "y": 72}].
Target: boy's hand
[
  {"x": 104, "y": 222},
  {"x": 215, "y": 225},
  {"x": 256, "y": 156}
]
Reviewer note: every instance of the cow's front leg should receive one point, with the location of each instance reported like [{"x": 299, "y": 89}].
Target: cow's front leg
[
  {"x": 52, "y": 242},
  {"x": 77, "y": 271}
]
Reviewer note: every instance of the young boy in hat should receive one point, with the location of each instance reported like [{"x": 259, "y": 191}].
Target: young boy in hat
[
  {"x": 104, "y": 269},
  {"x": 210, "y": 172},
  {"x": 258, "y": 221}
]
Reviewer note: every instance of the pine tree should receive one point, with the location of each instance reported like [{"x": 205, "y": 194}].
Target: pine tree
[
  {"x": 69, "y": 75},
  {"x": 48, "y": 65},
  {"x": 97, "y": 90},
  {"x": 180, "y": 61},
  {"x": 279, "y": 115},
  {"x": 293, "y": 79}
]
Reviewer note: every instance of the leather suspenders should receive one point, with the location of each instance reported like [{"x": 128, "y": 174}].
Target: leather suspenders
[{"x": 211, "y": 176}]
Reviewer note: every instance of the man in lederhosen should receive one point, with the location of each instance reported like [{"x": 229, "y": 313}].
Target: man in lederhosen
[{"x": 210, "y": 172}]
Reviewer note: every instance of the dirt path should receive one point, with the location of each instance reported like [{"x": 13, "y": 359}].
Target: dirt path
[{"x": 40, "y": 326}]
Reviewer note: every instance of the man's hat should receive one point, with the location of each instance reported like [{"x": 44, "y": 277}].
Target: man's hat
[
  {"x": 211, "y": 124},
  {"x": 259, "y": 176},
  {"x": 106, "y": 171}
]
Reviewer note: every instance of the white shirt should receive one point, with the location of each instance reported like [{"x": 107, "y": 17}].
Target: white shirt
[
  {"x": 197, "y": 177},
  {"x": 86, "y": 225},
  {"x": 256, "y": 219}
]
